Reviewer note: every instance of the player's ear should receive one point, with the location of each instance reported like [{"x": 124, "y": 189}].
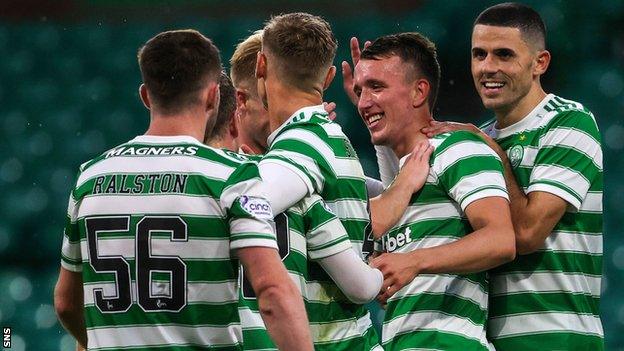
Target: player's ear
[
  {"x": 233, "y": 126},
  {"x": 241, "y": 99},
  {"x": 541, "y": 62},
  {"x": 329, "y": 77},
  {"x": 212, "y": 97},
  {"x": 260, "y": 65},
  {"x": 144, "y": 96},
  {"x": 420, "y": 92}
]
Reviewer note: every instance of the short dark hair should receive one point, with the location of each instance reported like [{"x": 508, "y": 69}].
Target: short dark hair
[
  {"x": 227, "y": 107},
  {"x": 413, "y": 48},
  {"x": 511, "y": 14},
  {"x": 304, "y": 46},
  {"x": 175, "y": 65}
]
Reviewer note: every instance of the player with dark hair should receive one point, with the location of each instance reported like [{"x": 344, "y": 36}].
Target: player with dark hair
[
  {"x": 456, "y": 227},
  {"x": 224, "y": 134},
  {"x": 548, "y": 298},
  {"x": 155, "y": 225}
]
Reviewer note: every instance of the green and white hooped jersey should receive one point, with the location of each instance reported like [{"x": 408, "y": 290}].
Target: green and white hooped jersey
[
  {"x": 443, "y": 311},
  {"x": 317, "y": 149},
  {"x": 550, "y": 299},
  {"x": 150, "y": 225}
]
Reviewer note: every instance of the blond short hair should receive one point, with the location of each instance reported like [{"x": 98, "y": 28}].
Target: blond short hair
[
  {"x": 243, "y": 61},
  {"x": 303, "y": 45}
]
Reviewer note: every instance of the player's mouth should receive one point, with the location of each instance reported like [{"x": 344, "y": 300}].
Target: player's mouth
[
  {"x": 492, "y": 87},
  {"x": 373, "y": 119}
]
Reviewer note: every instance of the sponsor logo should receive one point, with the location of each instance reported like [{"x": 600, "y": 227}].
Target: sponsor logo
[
  {"x": 395, "y": 242},
  {"x": 516, "y": 153},
  {"x": 257, "y": 207}
]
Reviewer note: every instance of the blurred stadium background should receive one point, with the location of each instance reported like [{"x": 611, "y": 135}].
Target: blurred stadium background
[{"x": 68, "y": 91}]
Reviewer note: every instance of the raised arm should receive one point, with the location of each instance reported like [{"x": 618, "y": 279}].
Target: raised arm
[{"x": 279, "y": 300}]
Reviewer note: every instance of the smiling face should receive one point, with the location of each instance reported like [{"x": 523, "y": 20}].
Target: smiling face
[
  {"x": 503, "y": 66},
  {"x": 385, "y": 98}
]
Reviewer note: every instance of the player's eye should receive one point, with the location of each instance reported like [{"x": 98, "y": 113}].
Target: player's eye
[
  {"x": 505, "y": 53},
  {"x": 478, "y": 54}
]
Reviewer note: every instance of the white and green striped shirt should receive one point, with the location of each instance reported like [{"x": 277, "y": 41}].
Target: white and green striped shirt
[
  {"x": 305, "y": 233},
  {"x": 150, "y": 225},
  {"x": 317, "y": 149},
  {"x": 550, "y": 299},
  {"x": 443, "y": 311}
]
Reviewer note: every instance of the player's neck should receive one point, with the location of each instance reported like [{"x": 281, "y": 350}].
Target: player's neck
[
  {"x": 224, "y": 143},
  {"x": 283, "y": 101},
  {"x": 411, "y": 133},
  {"x": 186, "y": 123},
  {"x": 518, "y": 111}
]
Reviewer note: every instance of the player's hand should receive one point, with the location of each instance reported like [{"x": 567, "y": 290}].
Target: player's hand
[
  {"x": 436, "y": 128},
  {"x": 399, "y": 269},
  {"x": 416, "y": 166},
  {"x": 330, "y": 107},
  {"x": 347, "y": 70}
]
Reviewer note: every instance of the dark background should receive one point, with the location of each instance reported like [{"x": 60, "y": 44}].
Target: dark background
[{"x": 68, "y": 91}]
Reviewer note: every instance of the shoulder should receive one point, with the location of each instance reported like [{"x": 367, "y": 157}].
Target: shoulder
[
  {"x": 561, "y": 112},
  {"x": 459, "y": 141},
  {"x": 462, "y": 148}
]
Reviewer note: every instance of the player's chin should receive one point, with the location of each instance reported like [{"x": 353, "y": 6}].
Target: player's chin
[
  {"x": 378, "y": 138},
  {"x": 492, "y": 103}
]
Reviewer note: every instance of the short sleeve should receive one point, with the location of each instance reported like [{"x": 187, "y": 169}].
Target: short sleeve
[
  {"x": 468, "y": 169},
  {"x": 250, "y": 215},
  {"x": 569, "y": 158},
  {"x": 71, "y": 256}
]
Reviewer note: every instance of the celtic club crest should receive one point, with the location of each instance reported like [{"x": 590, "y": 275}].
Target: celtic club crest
[{"x": 515, "y": 155}]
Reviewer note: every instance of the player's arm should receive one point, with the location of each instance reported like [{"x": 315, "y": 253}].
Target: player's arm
[
  {"x": 328, "y": 244},
  {"x": 282, "y": 186},
  {"x": 534, "y": 215},
  {"x": 279, "y": 300},
  {"x": 387, "y": 208},
  {"x": 69, "y": 304},
  {"x": 472, "y": 176},
  {"x": 490, "y": 245},
  {"x": 252, "y": 238},
  {"x": 359, "y": 282},
  {"x": 553, "y": 188},
  {"x": 388, "y": 164}
]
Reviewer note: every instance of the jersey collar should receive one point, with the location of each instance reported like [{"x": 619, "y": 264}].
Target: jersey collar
[
  {"x": 306, "y": 111},
  {"x": 523, "y": 124},
  {"x": 173, "y": 139}
]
